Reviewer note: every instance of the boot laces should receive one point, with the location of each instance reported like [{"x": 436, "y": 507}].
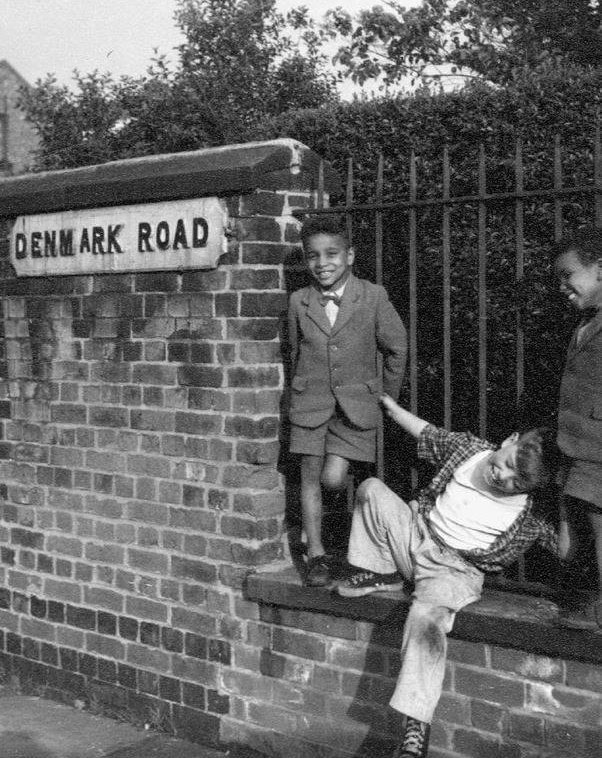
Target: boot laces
[{"x": 414, "y": 738}]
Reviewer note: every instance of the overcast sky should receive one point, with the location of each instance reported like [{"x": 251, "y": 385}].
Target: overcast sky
[{"x": 41, "y": 36}]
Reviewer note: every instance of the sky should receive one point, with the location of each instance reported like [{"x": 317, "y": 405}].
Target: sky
[{"x": 119, "y": 36}]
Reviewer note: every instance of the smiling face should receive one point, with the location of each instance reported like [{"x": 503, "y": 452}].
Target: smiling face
[
  {"x": 500, "y": 470},
  {"x": 329, "y": 260},
  {"x": 580, "y": 282}
]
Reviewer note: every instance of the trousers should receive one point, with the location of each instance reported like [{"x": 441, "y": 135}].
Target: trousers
[{"x": 388, "y": 535}]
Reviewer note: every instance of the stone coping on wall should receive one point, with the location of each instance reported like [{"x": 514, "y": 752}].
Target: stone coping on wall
[
  {"x": 500, "y": 618},
  {"x": 216, "y": 171}
]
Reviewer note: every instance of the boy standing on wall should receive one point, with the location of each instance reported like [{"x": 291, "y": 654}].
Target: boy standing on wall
[
  {"x": 337, "y": 325},
  {"x": 476, "y": 516}
]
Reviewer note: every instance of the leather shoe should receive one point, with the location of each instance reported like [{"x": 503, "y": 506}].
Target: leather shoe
[{"x": 318, "y": 571}]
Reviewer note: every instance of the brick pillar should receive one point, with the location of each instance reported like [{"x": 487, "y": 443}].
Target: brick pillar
[{"x": 140, "y": 417}]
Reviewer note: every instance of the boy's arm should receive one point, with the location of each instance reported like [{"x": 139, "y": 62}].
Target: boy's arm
[
  {"x": 392, "y": 341},
  {"x": 406, "y": 419}
]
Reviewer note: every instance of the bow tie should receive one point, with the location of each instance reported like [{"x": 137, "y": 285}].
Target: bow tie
[{"x": 325, "y": 299}]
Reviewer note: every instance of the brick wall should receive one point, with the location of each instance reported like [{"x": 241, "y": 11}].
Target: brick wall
[
  {"x": 322, "y": 669},
  {"x": 140, "y": 422}
]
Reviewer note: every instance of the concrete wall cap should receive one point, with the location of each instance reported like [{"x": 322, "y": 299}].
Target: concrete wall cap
[{"x": 224, "y": 170}]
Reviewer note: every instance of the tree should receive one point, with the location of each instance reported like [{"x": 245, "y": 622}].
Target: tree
[
  {"x": 241, "y": 63},
  {"x": 490, "y": 38}
]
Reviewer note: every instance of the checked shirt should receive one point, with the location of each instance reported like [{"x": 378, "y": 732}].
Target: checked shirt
[{"x": 447, "y": 451}]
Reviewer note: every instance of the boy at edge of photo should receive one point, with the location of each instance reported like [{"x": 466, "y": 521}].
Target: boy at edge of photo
[
  {"x": 578, "y": 264},
  {"x": 477, "y": 515},
  {"x": 336, "y": 328}
]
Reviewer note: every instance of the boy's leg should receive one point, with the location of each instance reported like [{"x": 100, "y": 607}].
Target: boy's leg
[
  {"x": 423, "y": 655},
  {"x": 380, "y": 530},
  {"x": 334, "y": 472},
  {"x": 311, "y": 503},
  {"x": 595, "y": 518},
  {"x": 444, "y": 583}
]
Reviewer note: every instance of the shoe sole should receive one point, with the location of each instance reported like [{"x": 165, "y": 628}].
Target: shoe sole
[{"x": 361, "y": 591}]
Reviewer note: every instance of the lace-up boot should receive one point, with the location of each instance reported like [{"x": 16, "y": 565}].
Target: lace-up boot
[{"x": 415, "y": 740}]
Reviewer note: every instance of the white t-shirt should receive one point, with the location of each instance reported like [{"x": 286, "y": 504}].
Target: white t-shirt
[{"x": 466, "y": 517}]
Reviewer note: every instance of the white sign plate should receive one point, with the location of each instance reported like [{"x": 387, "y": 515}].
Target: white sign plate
[{"x": 173, "y": 235}]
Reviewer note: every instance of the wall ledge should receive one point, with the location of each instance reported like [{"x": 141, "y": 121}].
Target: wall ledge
[
  {"x": 229, "y": 169},
  {"x": 500, "y": 618}
]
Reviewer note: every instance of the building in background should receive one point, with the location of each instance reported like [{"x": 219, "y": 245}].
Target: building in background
[{"x": 18, "y": 139}]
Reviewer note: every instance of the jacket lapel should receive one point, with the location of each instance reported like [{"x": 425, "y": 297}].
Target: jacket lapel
[
  {"x": 589, "y": 332},
  {"x": 351, "y": 294},
  {"x": 315, "y": 310}
]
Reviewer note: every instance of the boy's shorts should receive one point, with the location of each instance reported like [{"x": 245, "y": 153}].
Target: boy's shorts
[{"x": 336, "y": 437}]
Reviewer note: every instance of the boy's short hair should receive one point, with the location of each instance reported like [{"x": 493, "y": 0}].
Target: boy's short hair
[
  {"x": 586, "y": 243},
  {"x": 325, "y": 223},
  {"x": 537, "y": 456}
]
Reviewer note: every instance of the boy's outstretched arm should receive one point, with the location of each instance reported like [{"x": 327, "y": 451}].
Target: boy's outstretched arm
[{"x": 406, "y": 420}]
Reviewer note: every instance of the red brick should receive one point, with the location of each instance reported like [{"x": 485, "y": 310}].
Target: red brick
[
  {"x": 106, "y": 416},
  {"x": 298, "y": 644},
  {"x": 156, "y": 563},
  {"x": 257, "y": 402},
  {"x": 584, "y": 676},
  {"x": 527, "y": 728},
  {"x": 471, "y": 653},
  {"x": 260, "y": 505},
  {"x": 104, "y": 553},
  {"x": 268, "y": 254},
  {"x": 479, "y": 745},
  {"x": 38, "y": 629},
  {"x": 489, "y": 686},
  {"x": 256, "y": 305},
  {"x": 241, "y": 426},
  {"x": 66, "y": 591},
  {"x": 250, "y": 477},
  {"x": 69, "y": 414},
  {"x": 64, "y": 545},
  {"x": 196, "y": 670},
  {"x": 527, "y": 665},
  {"x": 565, "y": 736},
  {"x": 108, "y": 647},
  {"x": 144, "y": 657},
  {"x": 259, "y": 228},
  {"x": 247, "y": 529},
  {"x": 488, "y": 717},
  {"x": 146, "y": 609},
  {"x": 197, "y": 423}
]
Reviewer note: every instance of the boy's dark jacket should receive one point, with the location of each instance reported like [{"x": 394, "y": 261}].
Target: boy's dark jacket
[
  {"x": 580, "y": 407},
  {"x": 339, "y": 363}
]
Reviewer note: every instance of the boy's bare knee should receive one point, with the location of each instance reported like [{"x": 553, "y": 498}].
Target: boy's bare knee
[{"x": 333, "y": 480}]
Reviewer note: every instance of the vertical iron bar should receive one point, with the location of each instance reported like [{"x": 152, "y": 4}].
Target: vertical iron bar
[
  {"x": 349, "y": 227},
  {"x": 378, "y": 243},
  {"x": 413, "y": 295},
  {"x": 482, "y": 274},
  {"x": 598, "y": 177},
  {"x": 519, "y": 218},
  {"x": 349, "y": 200},
  {"x": 446, "y": 293},
  {"x": 557, "y": 186},
  {"x": 320, "y": 197}
]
